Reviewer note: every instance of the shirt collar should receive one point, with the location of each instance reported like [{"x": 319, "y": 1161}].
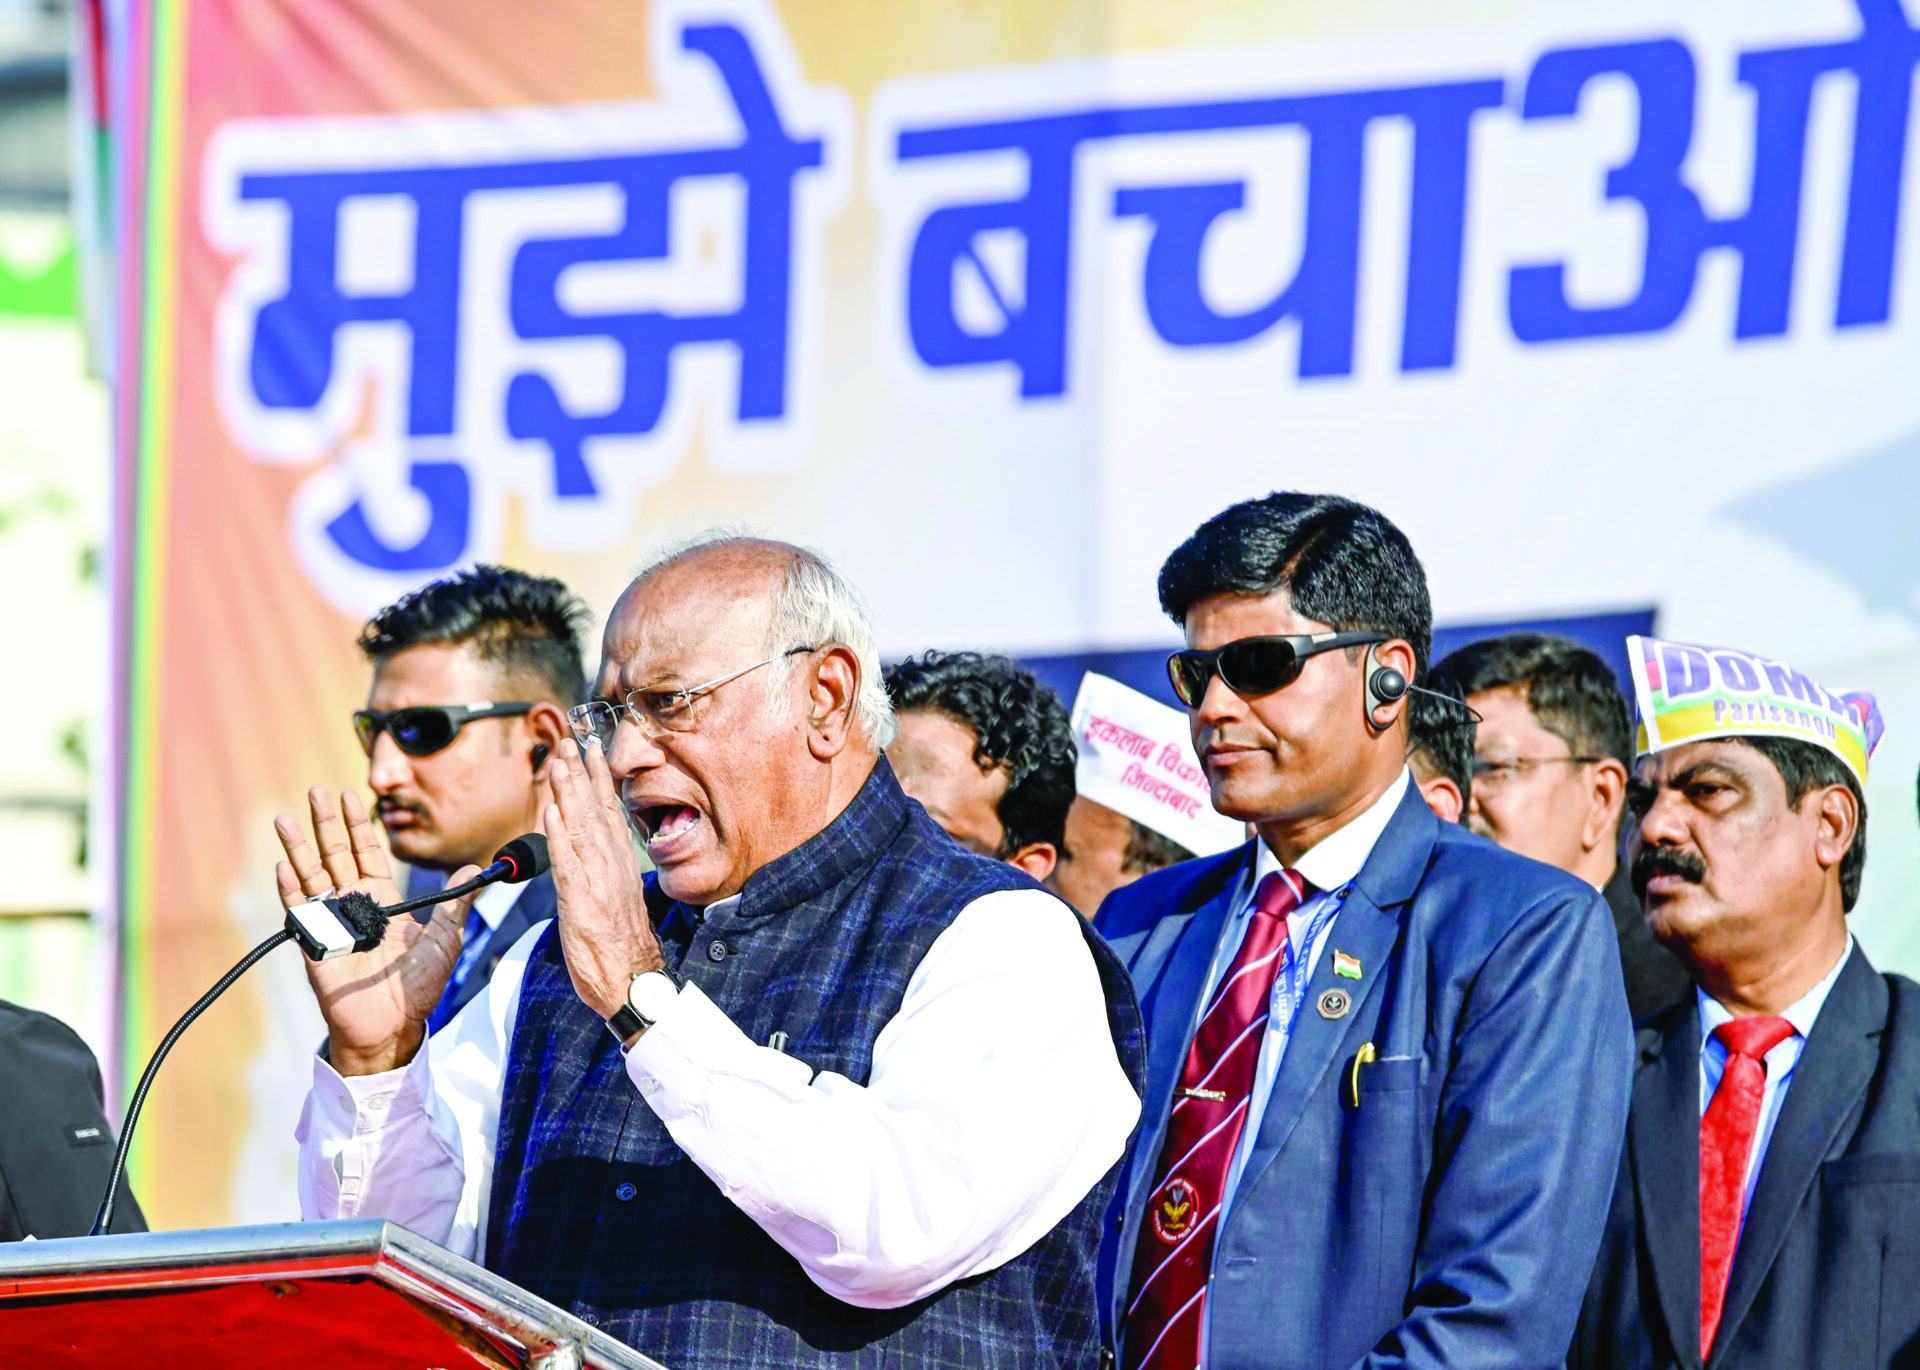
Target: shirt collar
[
  {"x": 1800, "y": 1013},
  {"x": 495, "y": 902},
  {"x": 1338, "y": 857}
]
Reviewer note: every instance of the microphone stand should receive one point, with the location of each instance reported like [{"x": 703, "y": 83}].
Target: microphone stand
[
  {"x": 225, "y": 982},
  {"x": 521, "y": 859}
]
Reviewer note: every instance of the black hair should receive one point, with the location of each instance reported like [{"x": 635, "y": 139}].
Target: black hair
[
  {"x": 1440, "y": 730},
  {"x": 1805, "y": 767},
  {"x": 518, "y": 623},
  {"x": 1017, "y": 723},
  {"x": 1340, "y": 562},
  {"x": 1569, "y": 689},
  {"x": 1149, "y": 851}
]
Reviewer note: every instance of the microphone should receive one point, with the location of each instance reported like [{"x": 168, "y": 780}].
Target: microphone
[
  {"x": 525, "y": 856},
  {"x": 324, "y": 928},
  {"x": 336, "y": 925},
  {"x": 519, "y": 861}
]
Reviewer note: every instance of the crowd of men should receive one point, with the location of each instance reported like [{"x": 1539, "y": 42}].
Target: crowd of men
[{"x": 1487, "y": 1026}]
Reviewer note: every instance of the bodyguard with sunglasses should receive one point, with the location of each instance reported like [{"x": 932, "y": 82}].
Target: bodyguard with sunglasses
[
  {"x": 1387, "y": 1061},
  {"x": 472, "y": 677}
]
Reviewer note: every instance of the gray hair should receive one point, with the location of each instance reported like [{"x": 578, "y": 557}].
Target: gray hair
[{"x": 815, "y": 606}]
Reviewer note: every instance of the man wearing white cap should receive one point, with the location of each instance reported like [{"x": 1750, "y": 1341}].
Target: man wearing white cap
[
  {"x": 1142, "y": 802},
  {"x": 1767, "y": 1212}
]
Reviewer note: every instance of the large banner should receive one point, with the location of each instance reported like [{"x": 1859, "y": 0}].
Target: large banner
[{"x": 1609, "y": 306}]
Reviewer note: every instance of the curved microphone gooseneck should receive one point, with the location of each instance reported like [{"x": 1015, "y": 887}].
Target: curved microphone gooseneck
[
  {"x": 358, "y": 924},
  {"x": 516, "y": 863},
  {"x": 105, "y": 1215}
]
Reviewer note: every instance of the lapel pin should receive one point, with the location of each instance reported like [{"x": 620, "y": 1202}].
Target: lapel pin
[
  {"x": 1334, "y": 1004},
  {"x": 1346, "y": 965}
]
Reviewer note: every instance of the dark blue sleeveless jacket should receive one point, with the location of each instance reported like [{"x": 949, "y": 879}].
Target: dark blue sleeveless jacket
[{"x": 597, "y": 1210}]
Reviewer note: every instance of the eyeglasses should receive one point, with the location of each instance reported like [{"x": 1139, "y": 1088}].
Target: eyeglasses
[
  {"x": 655, "y": 712},
  {"x": 423, "y": 729},
  {"x": 1491, "y": 774},
  {"x": 1254, "y": 666}
]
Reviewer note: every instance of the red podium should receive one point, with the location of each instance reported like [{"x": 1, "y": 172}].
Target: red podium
[{"x": 362, "y": 1293}]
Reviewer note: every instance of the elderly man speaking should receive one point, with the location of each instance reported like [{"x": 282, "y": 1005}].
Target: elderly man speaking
[{"x": 826, "y": 1089}]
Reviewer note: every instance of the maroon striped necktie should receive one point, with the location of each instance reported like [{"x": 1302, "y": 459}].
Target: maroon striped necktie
[{"x": 1173, "y": 1256}]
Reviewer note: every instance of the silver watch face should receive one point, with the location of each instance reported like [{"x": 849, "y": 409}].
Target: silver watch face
[{"x": 651, "y": 994}]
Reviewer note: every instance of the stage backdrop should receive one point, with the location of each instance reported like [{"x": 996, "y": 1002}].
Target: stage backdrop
[{"x": 1611, "y": 307}]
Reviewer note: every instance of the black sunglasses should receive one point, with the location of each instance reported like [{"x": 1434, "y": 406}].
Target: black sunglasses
[
  {"x": 1253, "y": 666},
  {"x": 425, "y": 728}
]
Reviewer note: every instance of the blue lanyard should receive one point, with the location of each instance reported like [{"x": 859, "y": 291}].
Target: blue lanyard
[{"x": 1290, "y": 986}]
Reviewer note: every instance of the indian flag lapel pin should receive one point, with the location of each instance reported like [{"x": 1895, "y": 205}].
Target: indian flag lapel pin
[{"x": 1346, "y": 965}]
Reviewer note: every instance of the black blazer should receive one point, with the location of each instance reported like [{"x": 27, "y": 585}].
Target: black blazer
[
  {"x": 1655, "y": 977},
  {"x": 536, "y": 904},
  {"x": 55, "y": 1145},
  {"x": 1827, "y": 1274}
]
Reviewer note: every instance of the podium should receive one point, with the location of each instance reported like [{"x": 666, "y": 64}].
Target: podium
[{"x": 358, "y": 1293}]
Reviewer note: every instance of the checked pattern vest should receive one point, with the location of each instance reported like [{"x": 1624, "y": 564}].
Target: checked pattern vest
[
  {"x": 1173, "y": 1258},
  {"x": 595, "y": 1208}
]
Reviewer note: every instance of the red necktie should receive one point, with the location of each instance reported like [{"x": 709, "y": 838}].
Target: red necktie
[
  {"x": 1174, "y": 1254},
  {"x": 1726, "y": 1139}
]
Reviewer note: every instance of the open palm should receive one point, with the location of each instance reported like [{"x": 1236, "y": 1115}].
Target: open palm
[{"x": 375, "y": 1002}]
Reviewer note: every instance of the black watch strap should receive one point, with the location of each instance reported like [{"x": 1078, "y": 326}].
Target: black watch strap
[{"x": 625, "y": 1023}]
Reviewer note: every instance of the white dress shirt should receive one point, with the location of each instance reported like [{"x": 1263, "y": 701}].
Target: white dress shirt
[
  {"x": 1780, "y": 1062},
  {"x": 995, "y": 1102},
  {"x": 1330, "y": 867}
]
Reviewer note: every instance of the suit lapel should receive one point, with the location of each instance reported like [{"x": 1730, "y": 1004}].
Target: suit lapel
[
  {"x": 1832, "y": 1075},
  {"x": 1368, "y": 932},
  {"x": 535, "y": 905},
  {"x": 1368, "y": 927},
  {"x": 1185, "y": 944},
  {"x": 1663, "y": 1139}
]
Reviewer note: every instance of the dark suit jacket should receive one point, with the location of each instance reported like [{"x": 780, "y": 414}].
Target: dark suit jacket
[
  {"x": 1451, "y": 1219},
  {"x": 1655, "y": 977},
  {"x": 55, "y": 1144},
  {"x": 535, "y": 904},
  {"x": 1827, "y": 1274}
]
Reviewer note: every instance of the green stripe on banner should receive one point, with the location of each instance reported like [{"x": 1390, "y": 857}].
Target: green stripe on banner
[{"x": 149, "y": 535}]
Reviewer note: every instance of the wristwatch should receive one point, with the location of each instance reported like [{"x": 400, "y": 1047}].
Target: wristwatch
[{"x": 649, "y": 994}]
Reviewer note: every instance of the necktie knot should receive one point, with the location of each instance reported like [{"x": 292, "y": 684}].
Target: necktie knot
[
  {"x": 1753, "y": 1037},
  {"x": 1280, "y": 893}
]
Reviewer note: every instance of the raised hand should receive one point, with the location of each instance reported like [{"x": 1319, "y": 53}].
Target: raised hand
[
  {"x": 376, "y": 1002},
  {"x": 605, "y": 933}
]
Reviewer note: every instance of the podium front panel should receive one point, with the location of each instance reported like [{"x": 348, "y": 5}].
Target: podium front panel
[{"x": 290, "y": 1295}]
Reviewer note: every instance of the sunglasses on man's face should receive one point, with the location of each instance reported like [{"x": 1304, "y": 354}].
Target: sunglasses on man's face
[
  {"x": 424, "y": 729},
  {"x": 1254, "y": 666}
]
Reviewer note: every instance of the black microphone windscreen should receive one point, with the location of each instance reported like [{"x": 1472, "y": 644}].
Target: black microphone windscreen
[
  {"x": 527, "y": 854},
  {"x": 365, "y": 919}
]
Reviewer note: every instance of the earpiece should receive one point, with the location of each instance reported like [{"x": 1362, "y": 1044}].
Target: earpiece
[
  {"x": 1385, "y": 685},
  {"x": 541, "y": 751}
]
